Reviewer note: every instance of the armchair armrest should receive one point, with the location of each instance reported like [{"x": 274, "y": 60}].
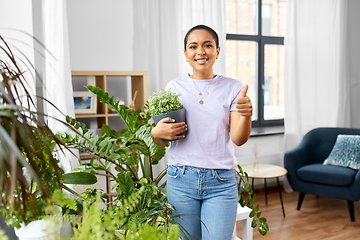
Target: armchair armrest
[
  {"x": 298, "y": 157},
  {"x": 294, "y": 159}
]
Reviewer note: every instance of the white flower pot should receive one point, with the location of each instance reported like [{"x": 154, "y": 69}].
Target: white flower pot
[{"x": 44, "y": 229}]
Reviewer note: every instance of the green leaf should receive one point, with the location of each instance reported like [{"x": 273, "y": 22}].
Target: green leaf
[
  {"x": 83, "y": 178},
  {"x": 108, "y": 164},
  {"x": 263, "y": 229},
  {"x": 247, "y": 176},
  {"x": 250, "y": 198},
  {"x": 140, "y": 147},
  {"x": 126, "y": 185},
  {"x": 114, "y": 156},
  {"x": 257, "y": 208},
  {"x": 258, "y": 214},
  {"x": 252, "y": 214},
  {"x": 246, "y": 187},
  {"x": 242, "y": 201},
  {"x": 254, "y": 223},
  {"x": 262, "y": 220},
  {"x": 97, "y": 167}
]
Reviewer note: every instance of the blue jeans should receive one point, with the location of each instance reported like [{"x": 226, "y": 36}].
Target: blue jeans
[{"x": 205, "y": 201}]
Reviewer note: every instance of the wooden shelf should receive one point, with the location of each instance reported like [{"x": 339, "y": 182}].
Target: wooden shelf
[{"x": 139, "y": 84}]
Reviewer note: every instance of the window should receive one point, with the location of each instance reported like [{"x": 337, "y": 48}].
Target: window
[{"x": 255, "y": 54}]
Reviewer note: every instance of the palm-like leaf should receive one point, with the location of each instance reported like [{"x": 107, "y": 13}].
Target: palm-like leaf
[{"x": 29, "y": 172}]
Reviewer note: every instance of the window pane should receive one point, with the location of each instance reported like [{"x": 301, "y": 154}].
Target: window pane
[
  {"x": 241, "y": 17},
  {"x": 273, "y": 17},
  {"x": 241, "y": 64},
  {"x": 274, "y": 82}
]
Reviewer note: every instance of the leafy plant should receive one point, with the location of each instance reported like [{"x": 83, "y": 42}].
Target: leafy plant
[
  {"x": 128, "y": 151},
  {"x": 25, "y": 143},
  {"x": 97, "y": 223},
  {"x": 30, "y": 171},
  {"x": 259, "y": 221},
  {"x": 164, "y": 102}
]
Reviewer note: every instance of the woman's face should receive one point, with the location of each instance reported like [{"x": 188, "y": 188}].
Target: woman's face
[{"x": 201, "y": 53}]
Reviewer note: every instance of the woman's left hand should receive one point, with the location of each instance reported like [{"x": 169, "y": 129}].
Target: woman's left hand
[{"x": 243, "y": 103}]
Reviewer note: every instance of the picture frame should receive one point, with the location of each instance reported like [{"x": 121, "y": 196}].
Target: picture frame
[{"x": 84, "y": 102}]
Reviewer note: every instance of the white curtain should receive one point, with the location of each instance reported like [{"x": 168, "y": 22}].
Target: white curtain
[
  {"x": 159, "y": 30},
  {"x": 57, "y": 79},
  {"x": 51, "y": 30},
  {"x": 317, "y": 92},
  {"x": 316, "y": 68}
]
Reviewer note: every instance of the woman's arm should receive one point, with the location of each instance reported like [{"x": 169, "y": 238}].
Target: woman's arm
[
  {"x": 240, "y": 120},
  {"x": 164, "y": 130}
]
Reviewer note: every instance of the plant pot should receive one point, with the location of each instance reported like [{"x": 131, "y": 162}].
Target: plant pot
[
  {"x": 44, "y": 229},
  {"x": 178, "y": 115}
]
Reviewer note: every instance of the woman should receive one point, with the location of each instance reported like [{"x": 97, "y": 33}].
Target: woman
[{"x": 201, "y": 180}]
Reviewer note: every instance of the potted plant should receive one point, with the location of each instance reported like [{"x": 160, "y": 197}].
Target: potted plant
[
  {"x": 132, "y": 153},
  {"x": 98, "y": 223},
  {"x": 30, "y": 170},
  {"x": 166, "y": 104}
]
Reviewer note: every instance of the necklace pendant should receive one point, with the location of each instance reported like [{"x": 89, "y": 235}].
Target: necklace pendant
[
  {"x": 200, "y": 94},
  {"x": 201, "y": 101}
]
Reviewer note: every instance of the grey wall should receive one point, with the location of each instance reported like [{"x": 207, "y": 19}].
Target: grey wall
[{"x": 354, "y": 65}]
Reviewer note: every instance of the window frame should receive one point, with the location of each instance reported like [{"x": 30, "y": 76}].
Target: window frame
[{"x": 261, "y": 42}]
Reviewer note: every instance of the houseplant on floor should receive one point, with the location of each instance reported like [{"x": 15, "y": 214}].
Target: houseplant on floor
[
  {"x": 132, "y": 153},
  {"x": 30, "y": 173}
]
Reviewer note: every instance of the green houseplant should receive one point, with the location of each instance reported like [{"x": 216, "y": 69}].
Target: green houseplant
[
  {"x": 166, "y": 104},
  {"x": 132, "y": 153},
  {"x": 30, "y": 175}
]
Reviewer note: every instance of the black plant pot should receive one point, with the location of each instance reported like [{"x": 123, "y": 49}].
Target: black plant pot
[{"x": 178, "y": 116}]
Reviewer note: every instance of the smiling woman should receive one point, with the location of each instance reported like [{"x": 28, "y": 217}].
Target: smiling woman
[{"x": 201, "y": 182}]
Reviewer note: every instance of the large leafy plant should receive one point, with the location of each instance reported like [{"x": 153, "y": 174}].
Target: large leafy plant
[
  {"x": 98, "y": 223},
  {"x": 30, "y": 172},
  {"x": 132, "y": 153}
]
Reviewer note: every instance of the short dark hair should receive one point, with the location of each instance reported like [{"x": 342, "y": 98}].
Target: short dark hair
[{"x": 204, "y": 27}]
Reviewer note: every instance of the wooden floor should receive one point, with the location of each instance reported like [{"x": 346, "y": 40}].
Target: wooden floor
[{"x": 319, "y": 217}]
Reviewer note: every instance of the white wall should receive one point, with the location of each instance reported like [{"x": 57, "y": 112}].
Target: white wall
[
  {"x": 100, "y": 35},
  {"x": 18, "y": 35}
]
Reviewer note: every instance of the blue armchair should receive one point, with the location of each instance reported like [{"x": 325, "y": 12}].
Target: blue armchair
[{"x": 308, "y": 174}]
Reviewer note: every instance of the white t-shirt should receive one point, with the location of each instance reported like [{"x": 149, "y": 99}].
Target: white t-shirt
[{"x": 207, "y": 143}]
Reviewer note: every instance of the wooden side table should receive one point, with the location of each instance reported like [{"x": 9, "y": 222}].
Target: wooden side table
[{"x": 266, "y": 171}]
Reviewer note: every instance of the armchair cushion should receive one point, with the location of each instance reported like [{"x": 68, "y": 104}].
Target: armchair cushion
[
  {"x": 326, "y": 174},
  {"x": 346, "y": 152}
]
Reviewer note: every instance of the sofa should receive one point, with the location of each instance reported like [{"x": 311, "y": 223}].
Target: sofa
[{"x": 308, "y": 175}]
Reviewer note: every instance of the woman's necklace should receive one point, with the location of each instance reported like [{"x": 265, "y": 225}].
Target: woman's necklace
[{"x": 202, "y": 93}]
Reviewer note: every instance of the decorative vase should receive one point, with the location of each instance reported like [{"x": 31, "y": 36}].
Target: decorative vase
[
  {"x": 178, "y": 116},
  {"x": 44, "y": 229},
  {"x": 256, "y": 167}
]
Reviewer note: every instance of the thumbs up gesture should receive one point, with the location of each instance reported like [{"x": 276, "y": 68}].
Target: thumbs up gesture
[{"x": 243, "y": 103}]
